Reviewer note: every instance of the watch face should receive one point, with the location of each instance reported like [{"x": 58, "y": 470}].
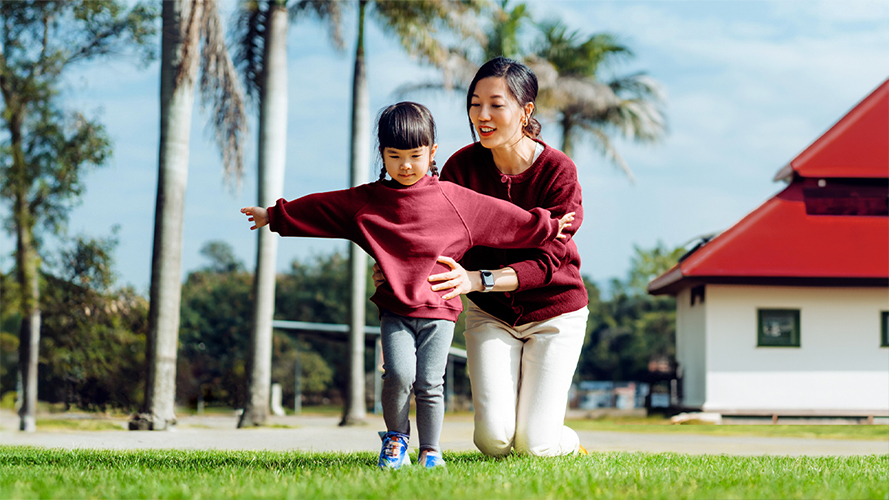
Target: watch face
[{"x": 487, "y": 279}]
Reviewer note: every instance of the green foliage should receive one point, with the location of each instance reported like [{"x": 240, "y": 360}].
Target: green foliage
[
  {"x": 318, "y": 292},
  {"x": 47, "y": 146},
  {"x": 92, "y": 337},
  {"x": 214, "y": 331},
  {"x": 631, "y": 335},
  {"x": 41, "y": 473}
]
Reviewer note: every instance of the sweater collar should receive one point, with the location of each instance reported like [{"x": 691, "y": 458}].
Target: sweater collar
[
  {"x": 426, "y": 181},
  {"x": 517, "y": 178}
]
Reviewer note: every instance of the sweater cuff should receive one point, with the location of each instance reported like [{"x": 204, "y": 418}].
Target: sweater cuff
[
  {"x": 273, "y": 219},
  {"x": 529, "y": 274}
]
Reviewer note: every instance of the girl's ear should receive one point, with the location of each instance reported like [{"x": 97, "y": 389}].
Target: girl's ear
[{"x": 432, "y": 151}]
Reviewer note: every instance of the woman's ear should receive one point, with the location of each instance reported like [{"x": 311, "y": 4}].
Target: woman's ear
[{"x": 529, "y": 108}]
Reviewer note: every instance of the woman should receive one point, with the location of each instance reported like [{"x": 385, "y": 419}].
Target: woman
[{"x": 526, "y": 320}]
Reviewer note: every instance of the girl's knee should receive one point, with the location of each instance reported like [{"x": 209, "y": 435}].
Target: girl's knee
[{"x": 401, "y": 379}]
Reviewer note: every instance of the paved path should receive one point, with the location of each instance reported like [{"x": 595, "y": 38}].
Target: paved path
[{"x": 314, "y": 433}]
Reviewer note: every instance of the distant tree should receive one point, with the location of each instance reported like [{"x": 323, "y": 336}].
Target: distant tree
[
  {"x": 93, "y": 335},
  {"x": 631, "y": 333},
  {"x": 192, "y": 38},
  {"x": 316, "y": 291},
  {"x": 214, "y": 334},
  {"x": 215, "y": 330},
  {"x": 48, "y": 148}
]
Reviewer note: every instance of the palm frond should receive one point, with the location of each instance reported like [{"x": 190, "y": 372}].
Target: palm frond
[
  {"x": 417, "y": 24},
  {"x": 247, "y": 34},
  {"x": 602, "y": 142},
  {"x": 330, "y": 11},
  {"x": 221, "y": 90}
]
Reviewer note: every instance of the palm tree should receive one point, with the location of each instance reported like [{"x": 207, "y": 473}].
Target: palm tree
[
  {"x": 188, "y": 26},
  {"x": 572, "y": 91},
  {"x": 500, "y": 38},
  {"x": 261, "y": 29},
  {"x": 415, "y": 24}
]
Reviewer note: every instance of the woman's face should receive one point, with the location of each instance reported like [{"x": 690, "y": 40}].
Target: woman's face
[{"x": 497, "y": 117}]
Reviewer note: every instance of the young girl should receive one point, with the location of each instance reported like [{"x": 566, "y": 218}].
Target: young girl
[{"x": 406, "y": 223}]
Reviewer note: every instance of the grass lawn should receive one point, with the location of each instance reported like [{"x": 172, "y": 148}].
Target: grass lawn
[
  {"x": 39, "y": 473},
  {"x": 662, "y": 425}
]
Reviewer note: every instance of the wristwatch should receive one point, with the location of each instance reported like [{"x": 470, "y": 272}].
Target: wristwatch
[{"x": 487, "y": 280}]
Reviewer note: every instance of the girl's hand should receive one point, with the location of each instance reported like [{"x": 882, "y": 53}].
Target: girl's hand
[
  {"x": 564, "y": 222},
  {"x": 258, "y": 215},
  {"x": 457, "y": 279},
  {"x": 378, "y": 276}
]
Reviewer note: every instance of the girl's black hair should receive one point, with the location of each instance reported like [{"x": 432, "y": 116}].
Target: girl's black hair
[
  {"x": 406, "y": 125},
  {"x": 521, "y": 82}
]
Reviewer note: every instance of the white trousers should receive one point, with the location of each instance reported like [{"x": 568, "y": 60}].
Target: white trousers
[{"x": 520, "y": 380}]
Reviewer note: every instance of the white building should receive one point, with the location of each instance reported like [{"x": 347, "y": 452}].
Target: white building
[{"x": 785, "y": 313}]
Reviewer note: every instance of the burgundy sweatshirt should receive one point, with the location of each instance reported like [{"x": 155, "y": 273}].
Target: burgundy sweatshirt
[
  {"x": 548, "y": 286},
  {"x": 406, "y": 228}
]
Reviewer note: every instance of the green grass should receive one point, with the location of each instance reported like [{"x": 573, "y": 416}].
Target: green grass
[
  {"x": 40, "y": 473},
  {"x": 56, "y": 424},
  {"x": 661, "y": 425}
]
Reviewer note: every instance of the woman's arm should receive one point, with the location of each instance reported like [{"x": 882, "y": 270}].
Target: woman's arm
[{"x": 463, "y": 281}]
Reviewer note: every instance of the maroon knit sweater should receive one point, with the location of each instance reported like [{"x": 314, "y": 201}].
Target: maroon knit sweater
[
  {"x": 406, "y": 228},
  {"x": 548, "y": 286}
]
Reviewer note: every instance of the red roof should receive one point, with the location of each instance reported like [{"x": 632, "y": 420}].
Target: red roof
[
  {"x": 856, "y": 147},
  {"x": 779, "y": 243}
]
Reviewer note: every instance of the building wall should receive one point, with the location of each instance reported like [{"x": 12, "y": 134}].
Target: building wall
[
  {"x": 838, "y": 366},
  {"x": 690, "y": 348}
]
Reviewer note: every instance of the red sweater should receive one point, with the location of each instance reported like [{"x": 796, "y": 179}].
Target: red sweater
[
  {"x": 548, "y": 286},
  {"x": 406, "y": 228}
]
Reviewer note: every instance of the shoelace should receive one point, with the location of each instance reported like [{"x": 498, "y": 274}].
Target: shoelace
[{"x": 393, "y": 448}]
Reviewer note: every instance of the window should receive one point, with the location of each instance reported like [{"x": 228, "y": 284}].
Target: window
[
  {"x": 884, "y": 324},
  {"x": 778, "y": 328}
]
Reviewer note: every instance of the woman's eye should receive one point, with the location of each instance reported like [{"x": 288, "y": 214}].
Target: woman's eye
[{"x": 474, "y": 105}]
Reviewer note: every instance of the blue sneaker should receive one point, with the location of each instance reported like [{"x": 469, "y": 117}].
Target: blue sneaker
[
  {"x": 430, "y": 459},
  {"x": 394, "y": 453}
]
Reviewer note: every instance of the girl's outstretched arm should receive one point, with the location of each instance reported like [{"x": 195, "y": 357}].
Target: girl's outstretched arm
[{"x": 258, "y": 215}]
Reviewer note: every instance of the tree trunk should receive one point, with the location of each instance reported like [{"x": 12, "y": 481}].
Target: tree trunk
[
  {"x": 27, "y": 266},
  {"x": 272, "y": 151},
  {"x": 29, "y": 333},
  {"x": 177, "y": 102},
  {"x": 567, "y": 135},
  {"x": 355, "y": 411}
]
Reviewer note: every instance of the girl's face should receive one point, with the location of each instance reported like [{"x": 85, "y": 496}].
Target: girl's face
[
  {"x": 407, "y": 166},
  {"x": 497, "y": 117}
]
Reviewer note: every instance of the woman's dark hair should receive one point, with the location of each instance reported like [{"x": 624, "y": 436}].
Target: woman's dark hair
[
  {"x": 521, "y": 82},
  {"x": 406, "y": 125}
]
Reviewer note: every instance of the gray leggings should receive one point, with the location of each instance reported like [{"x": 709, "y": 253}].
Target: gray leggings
[{"x": 415, "y": 354}]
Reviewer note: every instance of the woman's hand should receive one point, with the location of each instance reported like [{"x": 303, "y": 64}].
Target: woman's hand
[
  {"x": 564, "y": 222},
  {"x": 258, "y": 215},
  {"x": 457, "y": 279},
  {"x": 378, "y": 276}
]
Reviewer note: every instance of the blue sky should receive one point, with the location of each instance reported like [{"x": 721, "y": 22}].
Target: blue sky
[{"x": 749, "y": 85}]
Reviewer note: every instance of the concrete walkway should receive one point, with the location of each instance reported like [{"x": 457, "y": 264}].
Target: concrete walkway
[{"x": 321, "y": 433}]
